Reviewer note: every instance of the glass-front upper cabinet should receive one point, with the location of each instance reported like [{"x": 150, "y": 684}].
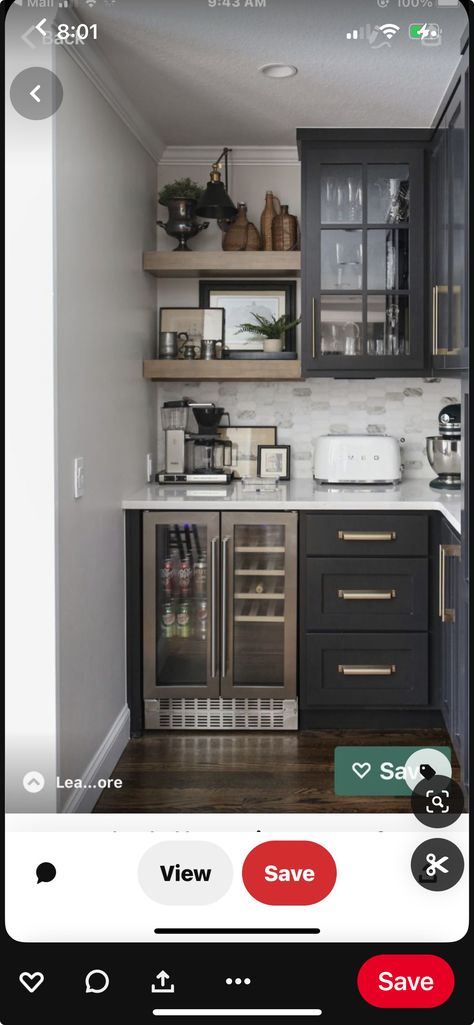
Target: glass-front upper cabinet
[
  {"x": 448, "y": 221},
  {"x": 362, "y": 242}
]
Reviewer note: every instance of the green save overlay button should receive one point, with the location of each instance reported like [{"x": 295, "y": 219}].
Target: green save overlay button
[{"x": 386, "y": 771}]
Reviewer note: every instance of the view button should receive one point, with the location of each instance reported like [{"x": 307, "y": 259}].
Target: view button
[
  {"x": 406, "y": 980},
  {"x": 289, "y": 872}
]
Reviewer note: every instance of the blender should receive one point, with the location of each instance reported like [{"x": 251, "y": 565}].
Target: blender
[{"x": 195, "y": 455}]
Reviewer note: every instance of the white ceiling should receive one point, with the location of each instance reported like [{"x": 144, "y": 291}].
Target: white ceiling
[{"x": 192, "y": 70}]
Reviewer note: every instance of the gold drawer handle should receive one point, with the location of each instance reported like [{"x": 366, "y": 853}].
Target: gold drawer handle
[
  {"x": 367, "y": 670},
  {"x": 367, "y": 595},
  {"x": 446, "y": 552},
  {"x": 349, "y": 535},
  {"x": 438, "y": 290}
]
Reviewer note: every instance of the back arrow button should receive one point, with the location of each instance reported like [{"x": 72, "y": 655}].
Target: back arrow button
[{"x": 25, "y": 89}]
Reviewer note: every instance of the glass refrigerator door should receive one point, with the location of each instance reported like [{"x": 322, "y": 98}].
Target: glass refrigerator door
[
  {"x": 180, "y": 606},
  {"x": 258, "y": 617}
]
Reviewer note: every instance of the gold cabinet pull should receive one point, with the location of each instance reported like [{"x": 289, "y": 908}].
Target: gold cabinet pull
[
  {"x": 367, "y": 670},
  {"x": 313, "y": 322},
  {"x": 367, "y": 595},
  {"x": 446, "y": 552},
  {"x": 436, "y": 349},
  {"x": 365, "y": 535}
]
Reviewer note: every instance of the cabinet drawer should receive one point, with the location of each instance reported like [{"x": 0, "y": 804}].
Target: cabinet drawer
[
  {"x": 366, "y": 594},
  {"x": 363, "y": 534},
  {"x": 363, "y": 669}
]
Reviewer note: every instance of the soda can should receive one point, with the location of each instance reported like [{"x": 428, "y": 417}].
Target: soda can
[
  {"x": 201, "y": 617},
  {"x": 168, "y": 619},
  {"x": 183, "y": 619},
  {"x": 185, "y": 575},
  {"x": 167, "y": 575},
  {"x": 200, "y": 577}
]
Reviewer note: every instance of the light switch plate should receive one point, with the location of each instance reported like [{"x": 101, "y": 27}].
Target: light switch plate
[{"x": 79, "y": 477}]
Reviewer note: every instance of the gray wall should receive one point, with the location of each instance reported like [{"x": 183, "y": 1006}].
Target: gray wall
[{"x": 105, "y": 189}]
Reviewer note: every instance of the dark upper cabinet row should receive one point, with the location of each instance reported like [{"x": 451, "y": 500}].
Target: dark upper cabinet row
[
  {"x": 384, "y": 236},
  {"x": 449, "y": 233}
]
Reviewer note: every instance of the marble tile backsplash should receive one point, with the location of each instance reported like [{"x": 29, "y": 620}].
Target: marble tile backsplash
[{"x": 406, "y": 408}]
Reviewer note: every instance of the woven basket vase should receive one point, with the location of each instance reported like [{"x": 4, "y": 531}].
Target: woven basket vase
[
  {"x": 235, "y": 238},
  {"x": 284, "y": 231},
  {"x": 266, "y": 221}
]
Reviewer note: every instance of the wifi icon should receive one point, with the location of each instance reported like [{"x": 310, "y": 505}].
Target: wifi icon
[{"x": 389, "y": 31}]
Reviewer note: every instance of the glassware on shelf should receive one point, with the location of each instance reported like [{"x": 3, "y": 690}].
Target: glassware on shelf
[
  {"x": 331, "y": 341},
  {"x": 349, "y": 264},
  {"x": 399, "y": 192},
  {"x": 354, "y": 200},
  {"x": 352, "y": 339}
]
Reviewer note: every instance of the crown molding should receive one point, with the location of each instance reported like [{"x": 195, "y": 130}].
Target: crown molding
[
  {"x": 250, "y": 156},
  {"x": 93, "y": 63}
]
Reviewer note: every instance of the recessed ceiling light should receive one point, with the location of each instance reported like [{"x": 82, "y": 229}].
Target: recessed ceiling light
[{"x": 278, "y": 70}]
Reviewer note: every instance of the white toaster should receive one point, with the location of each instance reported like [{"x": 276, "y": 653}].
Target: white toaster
[{"x": 357, "y": 459}]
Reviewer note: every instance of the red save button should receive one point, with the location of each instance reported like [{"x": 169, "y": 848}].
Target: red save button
[
  {"x": 406, "y": 980},
  {"x": 291, "y": 872}
]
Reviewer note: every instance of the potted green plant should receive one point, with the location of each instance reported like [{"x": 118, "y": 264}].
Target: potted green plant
[
  {"x": 181, "y": 197},
  {"x": 271, "y": 330}
]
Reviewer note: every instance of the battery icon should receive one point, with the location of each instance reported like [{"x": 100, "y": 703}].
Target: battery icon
[
  {"x": 448, "y": 3},
  {"x": 428, "y": 33}
]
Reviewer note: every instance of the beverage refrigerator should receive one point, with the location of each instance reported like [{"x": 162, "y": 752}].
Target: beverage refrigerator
[{"x": 219, "y": 620}]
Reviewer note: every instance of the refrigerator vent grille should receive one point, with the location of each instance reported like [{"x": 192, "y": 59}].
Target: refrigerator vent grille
[{"x": 222, "y": 714}]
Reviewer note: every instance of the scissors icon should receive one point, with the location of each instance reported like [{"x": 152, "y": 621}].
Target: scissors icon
[
  {"x": 434, "y": 865},
  {"x": 436, "y": 801}
]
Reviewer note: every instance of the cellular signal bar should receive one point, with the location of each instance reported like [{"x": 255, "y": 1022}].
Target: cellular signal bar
[{"x": 357, "y": 33}]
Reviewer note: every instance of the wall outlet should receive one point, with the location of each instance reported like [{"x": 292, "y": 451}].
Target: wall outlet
[
  {"x": 149, "y": 468},
  {"x": 79, "y": 477}
]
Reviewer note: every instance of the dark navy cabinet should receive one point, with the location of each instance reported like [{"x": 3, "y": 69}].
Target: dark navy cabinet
[
  {"x": 363, "y": 252},
  {"x": 364, "y": 620},
  {"x": 449, "y": 211},
  {"x": 451, "y": 639}
]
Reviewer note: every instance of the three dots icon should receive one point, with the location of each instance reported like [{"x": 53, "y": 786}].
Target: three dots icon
[{"x": 238, "y": 982}]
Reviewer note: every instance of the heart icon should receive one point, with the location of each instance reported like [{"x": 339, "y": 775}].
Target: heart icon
[
  {"x": 361, "y": 769},
  {"x": 31, "y": 980}
]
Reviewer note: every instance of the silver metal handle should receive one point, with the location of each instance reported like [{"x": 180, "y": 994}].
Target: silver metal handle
[
  {"x": 367, "y": 595},
  {"x": 367, "y": 670},
  {"x": 364, "y": 535},
  {"x": 214, "y": 632},
  {"x": 446, "y": 552},
  {"x": 224, "y": 623}
]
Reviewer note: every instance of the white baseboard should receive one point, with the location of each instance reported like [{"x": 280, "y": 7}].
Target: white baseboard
[{"x": 101, "y": 765}]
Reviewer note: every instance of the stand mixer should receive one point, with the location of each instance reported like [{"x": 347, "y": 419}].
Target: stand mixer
[
  {"x": 444, "y": 451},
  {"x": 193, "y": 455}
]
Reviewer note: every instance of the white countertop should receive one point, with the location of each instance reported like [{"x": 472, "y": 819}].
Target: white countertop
[{"x": 301, "y": 494}]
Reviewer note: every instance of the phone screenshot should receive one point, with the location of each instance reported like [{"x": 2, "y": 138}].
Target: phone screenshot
[{"x": 237, "y": 510}]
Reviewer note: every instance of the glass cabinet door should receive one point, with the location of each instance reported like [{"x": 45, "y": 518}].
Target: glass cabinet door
[
  {"x": 180, "y": 611},
  {"x": 258, "y": 614},
  {"x": 367, "y": 223}
]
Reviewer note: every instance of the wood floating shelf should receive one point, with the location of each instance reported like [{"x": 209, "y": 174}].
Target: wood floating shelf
[
  {"x": 222, "y": 370},
  {"x": 222, "y": 265}
]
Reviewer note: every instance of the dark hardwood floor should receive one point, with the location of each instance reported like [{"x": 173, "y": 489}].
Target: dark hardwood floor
[{"x": 247, "y": 772}]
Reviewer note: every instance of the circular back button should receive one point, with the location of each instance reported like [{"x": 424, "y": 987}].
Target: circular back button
[{"x": 36, "y": 93}]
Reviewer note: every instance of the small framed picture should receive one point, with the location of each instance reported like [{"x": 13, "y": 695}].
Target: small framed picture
[
  {"x": 241, "y": 300},
  {"x": 195, "y": 321},
  {"x": 273, "y": 461}
]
